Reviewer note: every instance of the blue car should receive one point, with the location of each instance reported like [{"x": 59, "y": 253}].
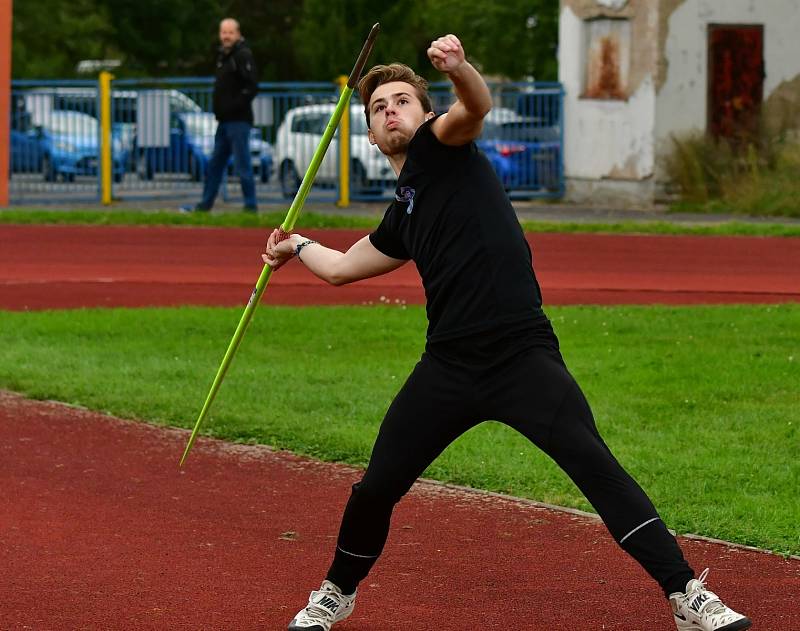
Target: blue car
[
  {"x": 524, "y": 153},
  {"x": 26, "y": 147},
  {"x": 191, "y": 142},
  {"x": 69, "y": 146}
]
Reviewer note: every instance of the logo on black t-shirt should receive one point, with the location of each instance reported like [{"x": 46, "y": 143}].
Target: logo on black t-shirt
[{"x": 406, "y": 194}]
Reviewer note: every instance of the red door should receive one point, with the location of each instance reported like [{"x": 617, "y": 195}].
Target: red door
[{"x": 735, "y": 79}]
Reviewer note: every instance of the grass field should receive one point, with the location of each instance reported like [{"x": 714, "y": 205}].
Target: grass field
[
  {"x": 701, "y": 404},
  {"x": 367, "y": 222}
]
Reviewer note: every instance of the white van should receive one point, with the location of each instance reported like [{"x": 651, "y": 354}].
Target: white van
[{"x": 298, "y": 137}]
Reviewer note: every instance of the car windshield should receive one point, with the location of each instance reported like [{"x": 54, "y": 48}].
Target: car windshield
[
  {"x": 315, "y": 122},
  {"x": 179, "y": 102},
  {"x": 500, "y": 115},
  {"x": 200, "y": 124},
  {"x": 72, "y": 123},
  {"x": 312, "y": 122}
]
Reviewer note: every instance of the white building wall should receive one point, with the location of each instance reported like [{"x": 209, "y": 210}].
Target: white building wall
[
  {"x": 682, "y": 102},
  {"x": 602, "y": 138}
]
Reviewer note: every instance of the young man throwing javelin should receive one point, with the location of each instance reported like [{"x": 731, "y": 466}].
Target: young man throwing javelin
[{"x": 491, "y": 352}]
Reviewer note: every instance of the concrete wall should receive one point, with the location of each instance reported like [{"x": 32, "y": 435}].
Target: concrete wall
[
  {"x": 609, "y": 139},
  {"x": 612, "y": 147},
  {"x": 682, "y": 100},
  {"x": 609, "y": 150}
]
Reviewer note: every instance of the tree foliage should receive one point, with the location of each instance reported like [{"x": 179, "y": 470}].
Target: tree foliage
[
  {"x": 178, "y": 41},
  {"x": 292, "y": 40},
  {"x": 516, "y": 39},
  {"x": 267, "y": 27},
  {"x": 49, "y": 37},
  {"x": 331, "y": 32}
]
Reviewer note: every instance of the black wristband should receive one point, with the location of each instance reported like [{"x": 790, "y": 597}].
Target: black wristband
[{"x": 301, "y": 245}]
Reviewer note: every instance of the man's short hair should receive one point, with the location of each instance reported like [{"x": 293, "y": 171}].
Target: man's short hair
[
  {"x": 378, "y": 75},
  {"x": 234, "y": 21}
]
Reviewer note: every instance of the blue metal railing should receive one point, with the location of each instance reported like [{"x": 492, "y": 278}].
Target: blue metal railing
[{"x": 163, "y": 131}]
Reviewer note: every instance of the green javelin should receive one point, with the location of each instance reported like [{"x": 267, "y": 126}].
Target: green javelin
[{"x": 286, "y": 226}]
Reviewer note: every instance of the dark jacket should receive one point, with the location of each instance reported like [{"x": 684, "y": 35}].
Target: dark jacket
[{"x": 236, "y": 84}]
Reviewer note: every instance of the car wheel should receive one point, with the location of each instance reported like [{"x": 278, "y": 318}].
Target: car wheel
[
  {"x": 48, "y": 169},
  {"x": 290, "y": 181},
  {"x": 143, "y": 168}
]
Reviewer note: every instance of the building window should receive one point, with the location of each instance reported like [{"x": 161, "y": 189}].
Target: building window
[{"x": 607, "y": 58}]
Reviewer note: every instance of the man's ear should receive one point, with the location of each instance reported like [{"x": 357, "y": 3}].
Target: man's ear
[
  {"x": 429, "y": 115},
  {"x": 371, "y": 137}
]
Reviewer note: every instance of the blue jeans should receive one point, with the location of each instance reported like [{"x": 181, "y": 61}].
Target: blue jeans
[{"x": 231, "y": 138}]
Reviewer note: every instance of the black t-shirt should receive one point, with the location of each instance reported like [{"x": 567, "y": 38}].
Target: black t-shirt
[{"x": 452, "y": 216}]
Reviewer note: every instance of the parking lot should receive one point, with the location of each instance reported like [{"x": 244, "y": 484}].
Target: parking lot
[{"x": 161, "y": 136}]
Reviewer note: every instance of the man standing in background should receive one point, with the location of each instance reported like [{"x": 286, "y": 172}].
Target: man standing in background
[{"x": 235, "y": 87}]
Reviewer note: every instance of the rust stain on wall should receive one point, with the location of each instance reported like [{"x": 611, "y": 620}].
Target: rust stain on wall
[
  {"x": 604, "y": 71},
  {"x": 645, "y": 25}
]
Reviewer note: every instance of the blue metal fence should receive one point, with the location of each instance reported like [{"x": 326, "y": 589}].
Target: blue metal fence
[
  {"x": 162, "y": 134},
  {"x": 54, "y": 147}
]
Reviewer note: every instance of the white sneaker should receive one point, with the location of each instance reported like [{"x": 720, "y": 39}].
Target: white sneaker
[
  {"x": 701, "y": 610},
  {"x": 326, "y": 606}
]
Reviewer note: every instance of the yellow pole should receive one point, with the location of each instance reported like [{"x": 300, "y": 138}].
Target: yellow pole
[
  {"x": 105, "y": 137},
  {"x": 344, "y": 152}
]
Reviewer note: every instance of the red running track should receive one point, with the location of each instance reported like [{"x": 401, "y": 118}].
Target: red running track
[
  {"x": 81, "y": 266},
  {"x": 100, "y": 530}
]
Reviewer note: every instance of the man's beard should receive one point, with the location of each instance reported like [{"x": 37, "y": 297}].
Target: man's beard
[
  {"x": 395, "y": 144},
  {"x": 395, "y": 148}
]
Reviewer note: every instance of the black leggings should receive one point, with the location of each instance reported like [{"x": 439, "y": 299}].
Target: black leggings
[{"x": 531, "y": 391}]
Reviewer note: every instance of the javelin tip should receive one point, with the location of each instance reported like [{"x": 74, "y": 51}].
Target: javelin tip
[{"x": 362, "y": 58}]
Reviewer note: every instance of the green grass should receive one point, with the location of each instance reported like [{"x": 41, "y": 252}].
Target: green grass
[
  {"x": 367, "y": 222},
  {"x": 701, "y": 404},
  {"x": 728, "y": 228},
  {"x": 173, "y": 218}
]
